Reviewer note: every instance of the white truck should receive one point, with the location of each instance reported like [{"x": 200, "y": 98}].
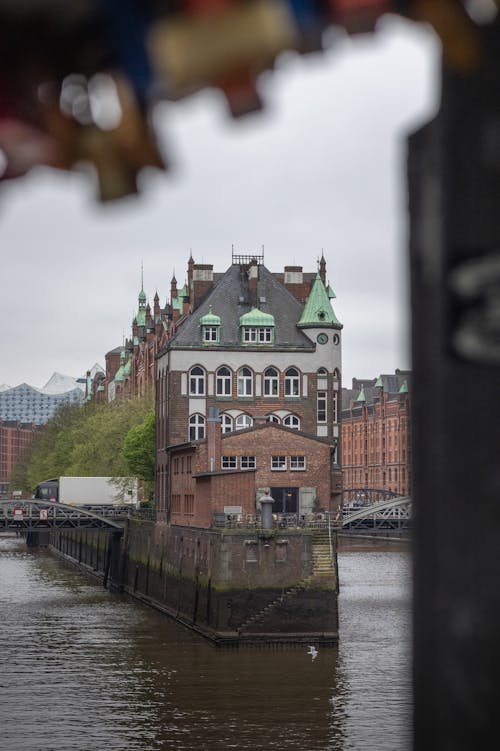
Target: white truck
[{"x": 90, "y": 492}]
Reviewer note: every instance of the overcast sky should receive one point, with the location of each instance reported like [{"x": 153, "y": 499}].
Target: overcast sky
[{"x": 321, "y": 168}]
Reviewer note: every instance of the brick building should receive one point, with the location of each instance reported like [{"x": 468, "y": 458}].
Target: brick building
[
  {"x": 376, "y": 450},
  {"x": 15, "y": 439},
  {"x": 264, "y": 351}
]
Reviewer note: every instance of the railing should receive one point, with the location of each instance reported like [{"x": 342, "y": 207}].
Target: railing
[{"x": 280, "y": 521}]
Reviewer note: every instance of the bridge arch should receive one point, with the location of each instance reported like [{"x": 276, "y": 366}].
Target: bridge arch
[{"x": 33, "y": 515}]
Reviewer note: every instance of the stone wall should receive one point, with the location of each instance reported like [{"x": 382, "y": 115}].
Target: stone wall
[{"x": 233, "y": 586}]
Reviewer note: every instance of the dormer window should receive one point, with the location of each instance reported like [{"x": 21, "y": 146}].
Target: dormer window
[
  {"x": 257, "y": 327},
  {"x": 253, "y": 334},
  {"x": 210, "y": 328},
  {"x": 210, "y": 334}
]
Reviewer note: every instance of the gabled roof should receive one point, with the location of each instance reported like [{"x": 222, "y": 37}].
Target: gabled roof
[
  {"x": 230, "y": 299},
  {"x": 318, "y": 310}
]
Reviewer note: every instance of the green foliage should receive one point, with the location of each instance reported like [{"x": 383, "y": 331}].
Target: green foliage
[
  {"x": 138, "y": 449},
  {"x": 88, "y": 440}
]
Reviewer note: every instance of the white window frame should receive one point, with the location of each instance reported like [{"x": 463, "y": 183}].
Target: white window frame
[
  {"x": 196, "y": 427},
  {"x": 244, "y": 418},
  {"x": 292, "y": 421},
  {"x": 229, "y": 462},
  {"x": 226, "y": 423},
  {"x": 210, "y": 334},
  {"x": 260, "y": 334},
  {"x": 278, "y": 463},
  {"x": 273, "y": 418},
  {"x": 245, "y": 382},
  {"x": 197, "y": 381},
  {"x": 271, "y": 383},
  {"x": 298, "y": 463},
  {"x": 223, "y": 383},
  {"x": 321, "y": 407},
  {"x": 248, "y": 462},
  {"x": 292, "y": 382}
]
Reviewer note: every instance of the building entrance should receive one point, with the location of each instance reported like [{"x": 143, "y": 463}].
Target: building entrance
[{"x": 286, "y": 500}]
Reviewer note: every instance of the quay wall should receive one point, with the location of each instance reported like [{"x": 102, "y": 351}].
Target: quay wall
[{"x": 233, "y": 586}]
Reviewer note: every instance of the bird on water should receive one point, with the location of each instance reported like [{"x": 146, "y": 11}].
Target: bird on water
[{"x": 312, "y": 651}]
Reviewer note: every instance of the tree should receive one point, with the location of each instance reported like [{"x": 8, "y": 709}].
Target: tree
[
  {"x": 87, "y": 440},
  {"x": 138, "y": 451}
]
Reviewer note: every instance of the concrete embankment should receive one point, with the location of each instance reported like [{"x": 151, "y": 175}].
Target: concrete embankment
[{"x": 233, "y": 586}]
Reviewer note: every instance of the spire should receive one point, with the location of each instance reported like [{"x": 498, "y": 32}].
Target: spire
[
  {"x": 404, "y": 387},
  {"x": 318, "y": 310},
  {"x": 361, "y": 396},
  {"x": 141, "y": 312}
]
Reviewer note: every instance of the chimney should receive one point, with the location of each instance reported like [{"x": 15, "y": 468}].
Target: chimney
[
  {"x": 253, "y": 280},
  {"x": 322, "y": 269},
  {"x": 213, "y": 439},
  {"x": 202, "y": 282}
]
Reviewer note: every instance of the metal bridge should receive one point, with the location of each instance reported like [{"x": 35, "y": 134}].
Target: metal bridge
[
  {"x": 392, "y": 513},
  {"x": 34, "y": 516}
]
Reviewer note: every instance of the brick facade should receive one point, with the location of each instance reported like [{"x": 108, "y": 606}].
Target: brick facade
[
  {"x": 277, "y": 391},
  {"x": 15, "y": 439},
  {"x": 376, "y": 449},
  {"x": 198, "y": 473}
]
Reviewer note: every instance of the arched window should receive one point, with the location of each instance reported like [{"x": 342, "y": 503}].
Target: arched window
[
  {"x": 292, "y": 421},
  {"x": 223, "y": 382},
  {"x": 322, "y": 372},
  {"x": 271, "y": 382},
  {"x": 273, "y": 418},
  {"x": 292, "y": 382},
  {"x": 226, "y": 423},
  {"x": 197, "y": 381},
  {"x": 245, "y": 382},
  {"x": 243, "y": 421},
  {"x": 196, "y": 427}
]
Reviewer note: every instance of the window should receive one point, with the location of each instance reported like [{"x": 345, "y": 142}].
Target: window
[
  {"x": 273, "y": 418},
  {"x": 176, "y": 503},
  {"x": 228, "y": 462},
  {"x": 196, "y": 427},
  {"x": 298, "y": 462},
  {"x": 322, "y": 372},
  {"x": 197, "y": 381},
  {"x": 335, "y": 406},
  {"x": 257, "y": 334},
  {"x": 227, "y": 423},
  {"x": 247, "y": 462},
  {"x": 278, "y": 462},
  {"x": 292, "y": 382},
  {"x": 245, "y": 382},
  {"x": 223, "y": 382},
  {"x": 271, "y": 382},
  {"x": 292, "y": 421},
  {"x": 210, "y": 333},
  {"x": 321, "y": 406},
  {"x": 189, "y": 503},
  {"x": 243, "y": 421}
]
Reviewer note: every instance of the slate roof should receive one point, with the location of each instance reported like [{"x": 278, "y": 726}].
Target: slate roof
[{"x": 230, "y": 299}]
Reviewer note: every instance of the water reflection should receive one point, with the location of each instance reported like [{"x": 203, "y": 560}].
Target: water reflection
[{"x": 84, "y": 670}]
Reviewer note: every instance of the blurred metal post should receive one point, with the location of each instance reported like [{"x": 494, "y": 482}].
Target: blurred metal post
[{"x": 454, "y": 183}]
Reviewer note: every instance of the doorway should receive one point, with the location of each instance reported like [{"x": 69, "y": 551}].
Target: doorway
[{"x": 286, "y": 500}]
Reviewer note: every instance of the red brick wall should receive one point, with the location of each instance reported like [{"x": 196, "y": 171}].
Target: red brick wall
[
  {"x": 15, "y": 439},
  {"x": 376, "y": 447}
]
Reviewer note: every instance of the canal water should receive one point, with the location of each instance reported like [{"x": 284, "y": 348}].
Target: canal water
[{"x": 84, "y": 670}]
